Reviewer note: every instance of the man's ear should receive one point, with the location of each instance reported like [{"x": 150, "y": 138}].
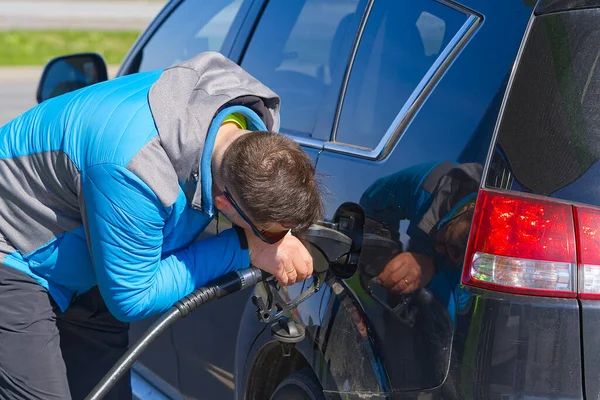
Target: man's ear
[{"x": 222, "y": 204}]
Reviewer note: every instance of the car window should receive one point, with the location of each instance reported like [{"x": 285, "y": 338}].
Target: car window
[
  {"x": 194, "y": 27},
  {"x": 548, "y": 133},
  {"x": 401, "y": 42},
  {"x": 300, "y": 50}
]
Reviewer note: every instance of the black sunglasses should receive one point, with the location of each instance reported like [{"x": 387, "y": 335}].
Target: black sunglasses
[{"x": 265, "y": 236}]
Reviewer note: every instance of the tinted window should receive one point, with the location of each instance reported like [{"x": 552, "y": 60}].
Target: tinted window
[
  {"x": 400, "y": 43},
  {"x": 194, "y": 27},
  {"x": 550, "y": 6},
  {"x": 300, "y": 50},
  {"x": 549, "y": 135}
]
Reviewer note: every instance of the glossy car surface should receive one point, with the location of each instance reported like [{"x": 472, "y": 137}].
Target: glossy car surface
[{"x": 373, "y": 89}]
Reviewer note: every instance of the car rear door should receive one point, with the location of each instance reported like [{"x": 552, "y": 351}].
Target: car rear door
[
  {"x": 548, "y": 145},
  {"x": 425, "y": 86}
]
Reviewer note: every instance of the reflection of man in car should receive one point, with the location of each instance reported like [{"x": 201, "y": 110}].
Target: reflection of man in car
[{"x": 438, "y": 201}]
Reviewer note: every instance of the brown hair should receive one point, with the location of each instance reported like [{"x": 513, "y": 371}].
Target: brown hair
[{"x": 273, "y": 180}]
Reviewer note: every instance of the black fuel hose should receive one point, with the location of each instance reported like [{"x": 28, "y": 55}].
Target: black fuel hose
[{"x": 227, "y": 284}]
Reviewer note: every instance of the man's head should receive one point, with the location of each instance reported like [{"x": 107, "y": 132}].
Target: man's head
[
  {"x": 453, "y": 235},
  {"x": 268, "y": 182}
]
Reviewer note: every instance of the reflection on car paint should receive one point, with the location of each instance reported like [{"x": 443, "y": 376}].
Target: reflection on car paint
[{"x": 401, "y": 340}]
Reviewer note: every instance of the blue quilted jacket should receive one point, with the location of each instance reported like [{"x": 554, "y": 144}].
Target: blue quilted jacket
[{"x": 110, "y": 185}]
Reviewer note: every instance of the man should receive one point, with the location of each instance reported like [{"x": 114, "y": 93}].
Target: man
[
  {"x": 438, "y": 200},
  {"x": 103, "y": 192}
]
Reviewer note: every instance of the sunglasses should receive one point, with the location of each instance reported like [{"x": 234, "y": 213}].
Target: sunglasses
[{"x": 265, "y": 236}]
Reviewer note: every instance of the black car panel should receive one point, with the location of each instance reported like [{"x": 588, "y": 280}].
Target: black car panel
[
  {"x": 509, "y": 345},
  {"x": 590, "y": 326}
]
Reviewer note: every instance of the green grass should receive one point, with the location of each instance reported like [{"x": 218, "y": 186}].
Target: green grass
[{"x": 22, "y": 47}]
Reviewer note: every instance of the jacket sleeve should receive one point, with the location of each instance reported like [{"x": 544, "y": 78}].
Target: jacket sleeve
[
  {"x": 396, "y": 197},
  {"x": 124, "y": 222}
]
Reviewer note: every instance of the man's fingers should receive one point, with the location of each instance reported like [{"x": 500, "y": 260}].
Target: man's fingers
[
  {"x": 399, "y": 276},
  {"x": 401, "y": 281},
  {"x": 304, "y": 268},
  {"x": 308, "y": 261},
  {"x": 294, "y": 261},
  {"x": 281, "y": 275},
  {"x": 403, "y": 288},
  {"x": 303, "y": 264},
  {"x": 405, "y": 280},
  {"x": 291, "y": 267},
  {"x": 301, "y": 261},
  {"x": 291, "y": 255},
  {"x": 305, "y": 254},
  {"x": 386, "y": 276},
  {"x": 292, "y": 275}
]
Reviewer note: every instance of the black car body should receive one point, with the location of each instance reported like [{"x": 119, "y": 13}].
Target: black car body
[{"x": 373, "y": 87}]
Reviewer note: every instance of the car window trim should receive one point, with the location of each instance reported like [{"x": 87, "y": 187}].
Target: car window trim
[
  {"x": 417, "y": 98},
  {"x": 306, "y": 141}
]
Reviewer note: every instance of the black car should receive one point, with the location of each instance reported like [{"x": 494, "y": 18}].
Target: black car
[{"x": 412, "y": 112}]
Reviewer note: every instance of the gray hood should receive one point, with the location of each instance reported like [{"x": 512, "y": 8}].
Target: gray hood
[{"x": 187, "y": 96}]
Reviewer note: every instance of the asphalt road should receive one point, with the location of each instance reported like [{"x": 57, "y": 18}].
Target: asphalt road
[
  {"x": 18, "y": 86},
  {"x": 15, "y": 98},
  {"x": 17, "y": 91},
  {"x": 48, "y": 14}
]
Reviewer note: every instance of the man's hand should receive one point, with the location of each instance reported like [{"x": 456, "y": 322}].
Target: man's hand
[
  {"x": 406, "y": 273},
  {"x": 287, "y": 260}
]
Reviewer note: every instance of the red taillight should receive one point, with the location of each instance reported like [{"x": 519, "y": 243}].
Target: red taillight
[
  {"x": 522, "y": 245},
  {"x": 588, "y": 252}
]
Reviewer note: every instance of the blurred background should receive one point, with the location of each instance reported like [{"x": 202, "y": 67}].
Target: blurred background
[{"x": 34, "y": 31}]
